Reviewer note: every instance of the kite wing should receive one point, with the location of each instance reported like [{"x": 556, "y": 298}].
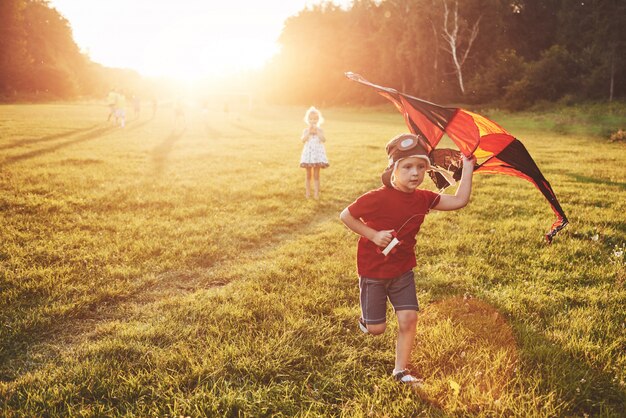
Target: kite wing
[{"x": 500, "y": 152}]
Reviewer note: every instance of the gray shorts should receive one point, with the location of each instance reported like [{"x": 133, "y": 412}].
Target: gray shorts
[{"x": 374, "y": 293}]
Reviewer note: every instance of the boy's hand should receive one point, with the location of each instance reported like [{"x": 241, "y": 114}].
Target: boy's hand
[
  {"x": 468, "y": 161},
  {"x": 382, "y": 238}
]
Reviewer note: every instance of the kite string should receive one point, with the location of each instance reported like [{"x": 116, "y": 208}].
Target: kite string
[{"x": 435, "y": 201}]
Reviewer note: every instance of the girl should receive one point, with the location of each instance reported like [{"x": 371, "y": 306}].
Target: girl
[{"x": 313, "y": 154}]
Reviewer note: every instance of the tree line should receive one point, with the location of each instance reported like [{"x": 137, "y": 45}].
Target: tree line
[
  {"x": 39, "y": 59},
  {"x": 504, "y": 52}
]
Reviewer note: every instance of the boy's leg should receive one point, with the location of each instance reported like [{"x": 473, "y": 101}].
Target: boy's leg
[
  {"x": 403, "y": 297},
  {"x": 373, "y": 297},
  {"x": 407, "y": 324}
]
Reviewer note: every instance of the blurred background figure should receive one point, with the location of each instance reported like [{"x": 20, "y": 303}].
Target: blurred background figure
[
  {"x": 120, "y": 111},
  {"x": 112, "y": 104}
]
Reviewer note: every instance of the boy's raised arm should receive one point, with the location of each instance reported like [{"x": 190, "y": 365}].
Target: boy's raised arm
[
  {"x": 462, "y": 195},
  {"x": 380, "y": 238}
]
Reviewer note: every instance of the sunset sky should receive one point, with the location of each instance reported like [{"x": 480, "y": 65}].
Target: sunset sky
[{"x": 183, "y": 38}]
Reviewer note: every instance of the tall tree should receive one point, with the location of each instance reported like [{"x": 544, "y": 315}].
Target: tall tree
[
  {"x": 56, "y": 59},
  {"x": 533, "y": 26},
  {"x": 459, "y": 36},
  {"x": 13, "y": 54},
  {"x": 527, "y": 49},
  {"x": 593, "y": 31}
]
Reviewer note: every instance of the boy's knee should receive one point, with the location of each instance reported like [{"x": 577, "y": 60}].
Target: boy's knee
[
  {"x": 407, "y": 320},
  {"x": 376, "y": 329}
]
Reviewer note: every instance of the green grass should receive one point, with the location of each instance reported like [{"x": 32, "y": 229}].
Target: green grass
[{"x": 156, "y": 271}]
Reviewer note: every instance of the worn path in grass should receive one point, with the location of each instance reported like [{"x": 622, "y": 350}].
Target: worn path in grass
[
  {"x": 64, "y": 336},
  {"x": 57, "y": 335}
]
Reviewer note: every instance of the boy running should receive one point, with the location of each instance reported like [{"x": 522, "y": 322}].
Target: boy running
[{"x": 393, "y": 214}]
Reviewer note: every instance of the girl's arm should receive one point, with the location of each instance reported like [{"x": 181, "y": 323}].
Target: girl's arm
[
  {"x": 380, "y": 238},
  {"x": 305, "y": 135},
  {"x": 320, "y": 135},
  {"x": 462, "y": 195}
]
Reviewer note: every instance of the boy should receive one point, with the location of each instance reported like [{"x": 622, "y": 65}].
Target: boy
[{"x": 395, "y": 212}]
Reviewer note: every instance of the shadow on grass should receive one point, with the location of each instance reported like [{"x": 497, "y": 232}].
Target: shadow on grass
[
  {"x": 35, "y": 153},
  {"x": 28, "y": 141},
  {"x": 585, "y": 390},
  {"x": 245, "y": 128},
  {"x": 469, "y": 353},
  {"x": 473, "y": 362},
  {"x": 212, "y": 133},
  {"x": 596, "y": 180},
  {"x": 17, "y": 356},
  {"x": 133, "y": 126},
  {"x": 26, "y": 349},
  {"x": 609, "y": 239},
  {"x": 161, "y": 152},
  {"x": 618, "y": 225}
]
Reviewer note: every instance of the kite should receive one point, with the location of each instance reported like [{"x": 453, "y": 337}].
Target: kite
[{"x": 498, "y": 151}]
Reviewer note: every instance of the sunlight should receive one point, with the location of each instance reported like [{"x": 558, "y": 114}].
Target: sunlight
[
  {"x": 188, "y": 40},
  {"x": 204, "y": 58},
  {"x": 200, "y": 46}
]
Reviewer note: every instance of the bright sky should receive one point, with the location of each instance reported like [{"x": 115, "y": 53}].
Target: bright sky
[{"x": 181, "y": 38}]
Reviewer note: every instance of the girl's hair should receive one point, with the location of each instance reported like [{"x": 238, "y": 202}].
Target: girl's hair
[{"x": 312, "y": 109}]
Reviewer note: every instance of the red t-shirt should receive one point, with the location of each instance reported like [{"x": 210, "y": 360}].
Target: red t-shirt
[{"x": 388, "y": 208}]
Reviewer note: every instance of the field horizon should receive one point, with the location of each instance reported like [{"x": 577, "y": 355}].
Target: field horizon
[{"x": 174, "y": 268}]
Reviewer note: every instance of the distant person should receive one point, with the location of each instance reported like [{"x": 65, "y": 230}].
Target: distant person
[
  {"x": 112, "y": 104},
  {"x": 120, "y": 112},
  {"x": 393, "y": 214},
  {"x": 313, "y": 157}
]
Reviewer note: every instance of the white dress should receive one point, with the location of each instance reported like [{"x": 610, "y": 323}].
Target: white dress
[{"x": 313, "y": 152}]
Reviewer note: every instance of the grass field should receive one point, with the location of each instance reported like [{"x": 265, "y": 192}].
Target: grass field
[{"x": 158, "y": 270}]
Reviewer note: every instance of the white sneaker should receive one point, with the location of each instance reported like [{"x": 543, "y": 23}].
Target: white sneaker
[
  {"x": 404, "y": 376},
  {"x": 362, "y": 326}
]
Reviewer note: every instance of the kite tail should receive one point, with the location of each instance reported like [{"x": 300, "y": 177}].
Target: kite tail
[
  {"x": 560, "y": 223},
  {"x": 515, "y": 160}
]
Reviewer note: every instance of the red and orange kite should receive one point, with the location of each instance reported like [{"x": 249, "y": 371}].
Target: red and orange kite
[{"x": 498, "y": 151}]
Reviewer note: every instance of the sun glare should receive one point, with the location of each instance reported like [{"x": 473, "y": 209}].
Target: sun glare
[
  {"x": 190, "y": 39},
  {"x": 178, "y": 58},
  {"x": 200, "y": 46}
]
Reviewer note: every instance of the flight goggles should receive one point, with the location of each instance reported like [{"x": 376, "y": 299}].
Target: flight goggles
[{"x": 407, "y": 145}]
